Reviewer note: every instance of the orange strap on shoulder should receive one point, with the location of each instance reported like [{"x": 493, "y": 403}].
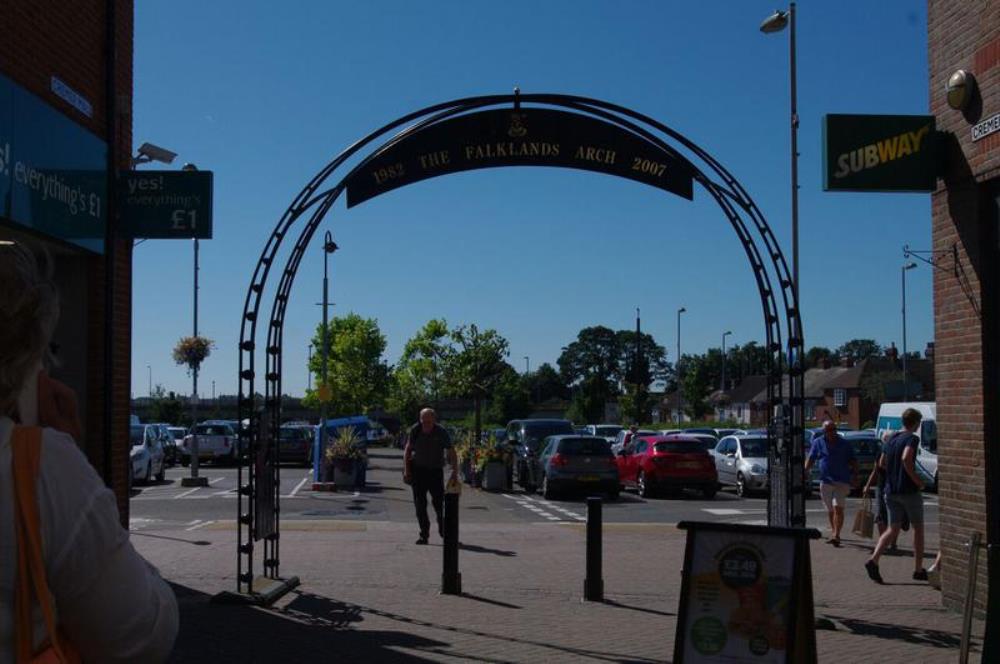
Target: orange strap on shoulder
[{"x": 26, "y": 448}]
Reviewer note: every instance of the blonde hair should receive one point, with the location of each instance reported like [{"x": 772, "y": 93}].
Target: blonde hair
[{"x": 29, "y": 306}]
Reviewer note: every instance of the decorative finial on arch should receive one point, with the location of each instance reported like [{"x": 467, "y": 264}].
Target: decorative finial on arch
[{"x": 517, "y": 98}]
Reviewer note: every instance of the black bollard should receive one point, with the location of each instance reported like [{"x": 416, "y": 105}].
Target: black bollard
[
  {"x": 593, "y": 584},
  {"x": 451, "y": 579}
]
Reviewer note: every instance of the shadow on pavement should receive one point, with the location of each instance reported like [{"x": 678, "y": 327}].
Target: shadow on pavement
[
  {"x": 924, "y": 637},
  {"x": 135, "y": 533},
  {"x": 310, "y": 628},
  {"x": 494, "y": 602},
  {"x": 475, "y": 548},
  {"x": 619, "y": 605}
]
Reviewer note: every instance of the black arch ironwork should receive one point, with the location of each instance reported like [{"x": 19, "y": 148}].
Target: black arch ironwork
[{"x": 786, "y": 506}]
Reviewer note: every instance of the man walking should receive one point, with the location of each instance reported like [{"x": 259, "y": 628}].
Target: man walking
[
  {"x": 838, "y": 470},
  {"x": 423, "y": 468},
  {"x": 903, "y": 498}
]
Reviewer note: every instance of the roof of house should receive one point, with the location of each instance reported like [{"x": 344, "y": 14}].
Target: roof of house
[{"x": 750, "y": 387}]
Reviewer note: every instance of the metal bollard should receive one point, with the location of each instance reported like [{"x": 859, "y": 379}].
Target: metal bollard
[
  {"x": 593, "y": 584},
  {"x": 451, "y": 578}
]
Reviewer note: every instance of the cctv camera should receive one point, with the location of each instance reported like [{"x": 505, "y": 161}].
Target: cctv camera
[{"x": 156, "y": 153}]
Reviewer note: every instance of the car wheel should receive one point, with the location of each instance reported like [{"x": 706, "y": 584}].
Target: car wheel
[
  {"x": 741, "y": 485},
  {"x": 640, "y": 484},
  {"x": 162, "y": 475},
  {"x": 709, "y": 492},
  {"x": 935, "y": 482},
  {"x": 149, "y": 473}
]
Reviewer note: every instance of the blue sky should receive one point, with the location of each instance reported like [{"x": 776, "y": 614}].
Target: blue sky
[{"x": 265, "y": 94}]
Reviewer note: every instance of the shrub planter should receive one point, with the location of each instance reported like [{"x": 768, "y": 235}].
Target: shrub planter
[
  {"x": 344, "y": 474},
  {"x": 495, "y": 476}
]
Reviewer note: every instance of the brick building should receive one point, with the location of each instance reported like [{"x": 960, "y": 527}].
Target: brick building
[
  {"x": 966, "y": 36},
  {"x": 65, "y": 126}
]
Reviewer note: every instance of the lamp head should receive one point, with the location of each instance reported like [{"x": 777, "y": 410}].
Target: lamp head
[
  {"x": 909, "y": 266},
  {"x": 682, "y": 310},
  {"x": 776, "y": 22}
]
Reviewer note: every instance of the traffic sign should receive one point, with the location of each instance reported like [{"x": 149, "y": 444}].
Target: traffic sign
[{"x": 166, "y": 205}]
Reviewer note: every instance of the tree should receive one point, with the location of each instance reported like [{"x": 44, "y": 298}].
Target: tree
[
  {"x": 546, "y": 383},
  {"x": 873, "y": 384},
  {"x": 474, "y": 369},
  {"x": 859, "y": 349},
  {"x": 510, "y": 399},
  {"x": 165, "y": 407},
  {"x": 419, "y": 376},
  {"x": 696, "y": 386},
  {"x": 357, "y": 376},
  {"x": 816, "y": 355}
]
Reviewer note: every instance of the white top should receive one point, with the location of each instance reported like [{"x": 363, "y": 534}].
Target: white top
[{"x": 111, "y": 603}]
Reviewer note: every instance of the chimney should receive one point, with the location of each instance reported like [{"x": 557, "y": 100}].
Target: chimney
[
  {"x": 929, "y": 351},
  {"x": 891, "y": 352},
  {"x": 846, "y": 361}
]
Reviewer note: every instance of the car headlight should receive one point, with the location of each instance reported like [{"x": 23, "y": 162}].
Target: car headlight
[{"x": 757, "y": 469}]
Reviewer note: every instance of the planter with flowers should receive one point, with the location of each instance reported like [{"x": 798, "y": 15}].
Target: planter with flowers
[{"x": 346, "y": 459}]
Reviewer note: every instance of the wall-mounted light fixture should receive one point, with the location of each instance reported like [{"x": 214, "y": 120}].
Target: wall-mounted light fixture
[{"x": 960, "y": 88}]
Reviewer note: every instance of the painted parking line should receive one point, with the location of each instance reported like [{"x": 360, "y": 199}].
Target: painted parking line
[
  {"x": 297, "y": 487},
  {"x": 200, "y": 525},
  {"x": 186, "y": 493},
  {"x": 722, "y": 511}
]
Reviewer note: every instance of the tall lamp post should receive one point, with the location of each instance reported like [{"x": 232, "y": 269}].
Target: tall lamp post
[
  {"x": 150, "y": 367},
  {"x": 329, "y": 246},
  {"x": 680, "y": 394},
  {"x": 309, "y": 368},
  {"x": 902, "y": 271},
  {"x": 724, "y": 335},
  {"x": 776, "y": 22},
  {"x": 195, "y": 479}
]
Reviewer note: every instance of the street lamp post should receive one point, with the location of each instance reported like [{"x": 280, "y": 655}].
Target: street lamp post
[
  {"x": 776, "y": 22},
  {"x": 309, "y": 368},
  {"x": 195, "y": 479},
  {"x": 329, "y": 246},
  {"x": 527, "y": 366},
  {"x": 150, "y": 367},
  {"x": 680, "y": 394},
  {"x": 724, "y": 335},
  {"x": 903, "y": 269}
]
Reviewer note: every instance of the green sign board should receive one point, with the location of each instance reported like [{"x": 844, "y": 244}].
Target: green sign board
[
  {"x": 166, "y": 205},
  {"x": 879, "y": 153},
  {"x": 53, "y": 177}
]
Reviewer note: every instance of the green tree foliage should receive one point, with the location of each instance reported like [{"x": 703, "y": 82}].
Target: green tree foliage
[
  {"x": 873, "y": 384},
  {"x": 816, "y": 355},
  {"x": 165, "y": 407},
  {"x": 696, "y": 386},
  {"x": 358, "y": 377},
  {"x": 546, "y": 383},
  {"x": 859, "y": 349},
  {"x": 510, "y": 399},
  {"x": 474, "y": 367},
  {"x": 419, "y": 376}
]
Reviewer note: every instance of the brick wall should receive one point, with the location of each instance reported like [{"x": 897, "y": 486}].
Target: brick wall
[
  {"x": 962, "y": 35},
  {"x": 68, "y": 40}
]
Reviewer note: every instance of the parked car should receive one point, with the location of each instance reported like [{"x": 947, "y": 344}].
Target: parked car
[
  {"x": 710, "y": 432},
  {"x": 524, "y": 439},
  {"x": 708, "y": 441},
  {"x": 625, "y": 435},
  {"x": 867, "y": 449},
  {"x": 167, "y": 441},
  {"x": 722, "y": 433},
  {"x": 177, "y": 433},
  {"x": 653, "y": 464},
  {"x": 146, "y": 455},
  {"x": 741, "y": 461},
  {"x": 578, "y": 463},
  {"x": 217, "y": 441},
  {"x": 609, "y": 432},
  {"x": 295, "y": 444}
]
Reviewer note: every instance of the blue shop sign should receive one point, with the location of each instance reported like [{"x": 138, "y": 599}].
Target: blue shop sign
[{"x": 53, "y": 172}]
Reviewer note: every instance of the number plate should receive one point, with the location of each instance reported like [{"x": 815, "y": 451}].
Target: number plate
[
  {"x": 689, "y": 464},
  {"x": 589, "y": 478}
]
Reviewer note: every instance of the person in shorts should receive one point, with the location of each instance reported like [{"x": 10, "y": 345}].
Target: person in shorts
[
  {"x": 838, "y": 471},
  {"x": 875, "y": 486},
  {"x": 903, "y": 498}
]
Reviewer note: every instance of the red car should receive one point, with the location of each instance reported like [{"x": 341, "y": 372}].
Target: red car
[{"x": 657, "y": 463}]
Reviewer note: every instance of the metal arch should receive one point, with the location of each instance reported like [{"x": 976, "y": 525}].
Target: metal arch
[{"x": 724, "y": 196}]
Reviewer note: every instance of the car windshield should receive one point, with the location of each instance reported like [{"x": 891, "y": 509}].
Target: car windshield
[
  {"x": 213, "y": 430},
  {"x": 135, "y": 435},
  {"x": 178, "y": 433},
  {"x": 865, "y": 446},
  {"x": 584, "y": 447},
  {"x": 607, "y": 430},
  {"x": 708, "y": 442},
  {"x": 754, "y": 447},
  {"x": 679, "y": 447},
  {"x": 294, "y": 433}
]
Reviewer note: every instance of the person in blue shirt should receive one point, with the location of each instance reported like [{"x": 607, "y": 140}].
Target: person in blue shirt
[{"x": 838, "y": 470}]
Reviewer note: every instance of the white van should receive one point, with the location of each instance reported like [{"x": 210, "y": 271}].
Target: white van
[{"x": 890, "y": 418}]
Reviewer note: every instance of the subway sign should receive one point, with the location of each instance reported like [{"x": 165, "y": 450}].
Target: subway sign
[{"x": 879, "y": 153}]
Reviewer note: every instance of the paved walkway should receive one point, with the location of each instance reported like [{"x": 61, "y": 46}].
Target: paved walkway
[{"x": 370, "y": 594}]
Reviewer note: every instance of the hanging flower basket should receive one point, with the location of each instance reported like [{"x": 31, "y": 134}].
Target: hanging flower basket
[{"x": 192, "y": 351}]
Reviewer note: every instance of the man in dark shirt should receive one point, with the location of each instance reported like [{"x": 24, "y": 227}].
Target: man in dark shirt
[
  {"x": 902, "y": 488},
  {"x": 423, "y": 468}
]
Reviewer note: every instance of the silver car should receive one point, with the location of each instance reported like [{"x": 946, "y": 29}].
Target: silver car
[
  {"x": 741, "y": 461},
  {"x": 146, "y": 458}
]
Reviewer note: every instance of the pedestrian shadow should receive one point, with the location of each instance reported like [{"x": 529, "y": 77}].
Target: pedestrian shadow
[
  {"x": 869, "y": 547},
  {"x": 897, "y": 632},
  {"x": 309, "y": 628},
  {"x": 475, "y": 548}
]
